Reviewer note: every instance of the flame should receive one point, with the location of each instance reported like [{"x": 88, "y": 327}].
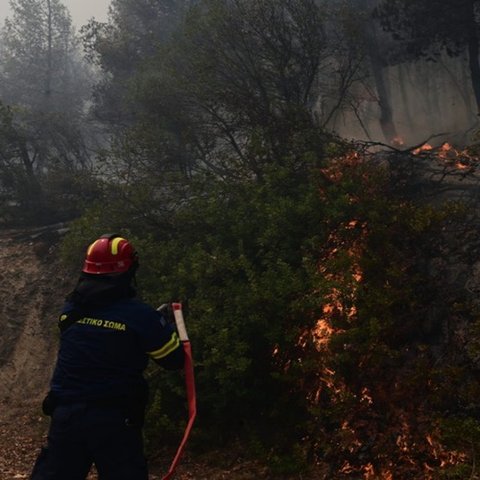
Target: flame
[
  {"x": 323, "y": 330},
  {"x": 445, "y": 148},
  {"x": 423, "y": 148},
  {"x": 327, "y": 378},
  {"x": 408, "y": 441},
  {"x": 427, "y": 467},
  {"x": 366, "y": 397},
  {"x": 347, "y": 468},
  {"x": 337, "y": 302},
  {"x": 459, "y": 159},
  {"x": 369, "y": 471},
  {"x": 402, "y": 442}
]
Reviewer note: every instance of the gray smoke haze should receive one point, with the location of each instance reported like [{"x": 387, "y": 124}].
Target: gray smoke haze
[
  {"x": 427, "y": 99},
  {"x": 80, "y": 10}
]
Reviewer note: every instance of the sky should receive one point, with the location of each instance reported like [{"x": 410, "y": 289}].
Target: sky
[{"x": 80, "y": 10}]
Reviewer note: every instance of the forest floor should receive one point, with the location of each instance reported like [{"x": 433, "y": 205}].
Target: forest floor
[
  {"x": 32, "y": 289},
  {"x": 23, "y": 431}
]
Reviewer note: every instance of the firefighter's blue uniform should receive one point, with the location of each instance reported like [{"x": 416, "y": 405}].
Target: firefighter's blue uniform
[{"x": 98, "y": 391}]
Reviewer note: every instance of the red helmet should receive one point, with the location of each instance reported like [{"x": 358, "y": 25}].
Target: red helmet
[{"x": 110, "y": 254}]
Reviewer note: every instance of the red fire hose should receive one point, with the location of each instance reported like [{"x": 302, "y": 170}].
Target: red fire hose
[{"x": 189, "y": 384}]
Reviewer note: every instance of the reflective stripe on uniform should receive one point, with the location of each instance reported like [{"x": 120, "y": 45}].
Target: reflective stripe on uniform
[{"x": 169, "y": 347}]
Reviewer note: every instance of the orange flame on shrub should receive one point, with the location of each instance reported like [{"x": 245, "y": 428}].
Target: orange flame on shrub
[
  {"x": 460, "y": 159},
  {"x": 406, "y": 435},
  {"x": 426, "y": 147}
]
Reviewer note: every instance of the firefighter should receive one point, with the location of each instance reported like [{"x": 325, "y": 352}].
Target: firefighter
[{"x": 98, "y": 393}]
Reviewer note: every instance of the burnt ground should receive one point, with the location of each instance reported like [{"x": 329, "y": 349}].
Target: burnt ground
[{"x": 32, "y": 288}]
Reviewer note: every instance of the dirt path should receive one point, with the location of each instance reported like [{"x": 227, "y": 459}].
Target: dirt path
[
  {"x": 32, "y": 287},
  {"x": 27, "y": 314}
]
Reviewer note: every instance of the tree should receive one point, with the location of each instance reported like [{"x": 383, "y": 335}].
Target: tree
[
  {"x": 377, "y": 65},
  {"x": 16, "y": 163},
  {"x": 36, "y": 195},
  {"x": 241, "y": 76},
  {"x": 360, "y": 51},
  {"x": 134, "y": 32},
  {"x": 44, "y": 82},
  {"x": 249, "y": 70},
  {"x": 41, "y": 68}
]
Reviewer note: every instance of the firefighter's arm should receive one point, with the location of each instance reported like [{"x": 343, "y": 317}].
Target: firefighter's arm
[
  {"x": 168, "y": 352},
  {"x": 171, "y": 354}
]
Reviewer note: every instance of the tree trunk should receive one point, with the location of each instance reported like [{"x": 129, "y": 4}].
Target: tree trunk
[
  {"x": 48, "y": 81},
  {"x": 403, "y": 79},
  {"x": 457, "y": 79},
  {"x": 377, "y": 65},
  {"x": 473, "y": 51},
  {"x": 474, "y": 69},
  {"x": 386, "y": 112}
]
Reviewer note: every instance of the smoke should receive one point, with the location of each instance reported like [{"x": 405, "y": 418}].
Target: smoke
[{"x": 427, "y": 99}]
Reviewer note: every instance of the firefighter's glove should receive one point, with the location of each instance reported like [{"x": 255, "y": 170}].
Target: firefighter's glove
[
  {"x": 49, "y": 404},
  {"x": 167, "y": 311}
]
